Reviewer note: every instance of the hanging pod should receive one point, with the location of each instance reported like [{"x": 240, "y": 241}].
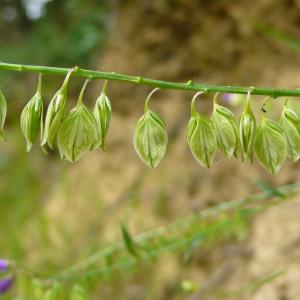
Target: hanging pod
[
  {"x": 290, "y": 124},
  {"x": 201, "y": 136},
  {"x": 3, "y": 111},
  {"x": 225, "y": 128},
  {"x": 150, "y": 137},
  {"x": 102, "y": 113},
  {"x": 247, "y": 127},
  {"x": 55, "y": 114},
  {"x": 32, "y": 117},
  {"x": 77, "y": 132},
  {"x": 270, "y": 145}
]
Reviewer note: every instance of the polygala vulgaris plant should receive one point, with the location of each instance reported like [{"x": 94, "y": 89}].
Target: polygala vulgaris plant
[
  {"x": 290, "y": 124},
  {"x": 3, "y": 110},
  {"x": 55, "y": 114},
  {"x": 150, "y": 137},
  {"x": 102, "y": 112},
  {"x": 77, "y": 132},
  {"x": 32, "y": 117},
  {"x": 225, "y": 128},
  {"x": 201, "y": 136},
  {"x": 81, "y": 130},
  {"x": 247, "y": 127}
]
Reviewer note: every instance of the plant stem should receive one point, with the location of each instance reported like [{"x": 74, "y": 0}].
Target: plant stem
[
  {"x": 188, "y": 86},
  {"x": 80, "y": 268}
]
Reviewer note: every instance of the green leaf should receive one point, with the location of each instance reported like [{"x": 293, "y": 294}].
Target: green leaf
[
  {"x": 55, "y": 114},
  {"x": 32, "y": 118},
  {"x": 3, "y": 111},
  {"x": 102, "y": 113},
  {"x": 247, "y": 128},
  {"x": 290, "y": 123},
  {"x": 128, "y": 241},
  {"x": 150, "y": 138},
  {"x": 77, "y": 133},
  {"x": 270, "y": 145},
  {"x": 201, "y": 138},
  {"x": 226, "y": 129}
]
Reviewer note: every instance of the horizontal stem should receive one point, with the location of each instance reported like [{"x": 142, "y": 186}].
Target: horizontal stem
[{"x": 187, "y": 86}]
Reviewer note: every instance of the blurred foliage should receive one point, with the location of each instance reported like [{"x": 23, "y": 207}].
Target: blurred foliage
[{"x": 54, "y": 38}]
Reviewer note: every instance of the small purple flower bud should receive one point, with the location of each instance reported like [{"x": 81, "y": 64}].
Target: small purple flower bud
[
  {"x": 5, "y": 284},
  {"x": 227, "y": 97},
  {"x": 4, "y": 264}
]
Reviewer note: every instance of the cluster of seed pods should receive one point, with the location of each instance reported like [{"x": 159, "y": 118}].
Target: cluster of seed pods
[{"x": 74, "y": 132}]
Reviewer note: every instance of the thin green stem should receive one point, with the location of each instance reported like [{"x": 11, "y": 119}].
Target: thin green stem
[
  {"x": 173, "y": 227},
  {"x": 39, "y": 89},
  {"x": 193, "y": 108},
  {"x": 146, "y": 106},
  {"x": 79, "y": 102},
  {"x": 188, "y": 86}
]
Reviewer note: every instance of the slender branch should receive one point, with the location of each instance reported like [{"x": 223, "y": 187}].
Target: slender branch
[{"x": 188, "y": 86}]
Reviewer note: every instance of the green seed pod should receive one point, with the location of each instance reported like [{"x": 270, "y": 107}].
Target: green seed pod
[
  {"x": 247, "y": 127},
  {"x": 55, "y": 114},
  {"x": 201, "y": 137},
  {"x": 270, "y": 145},
  {"x": 102, "y": 113},
  {"x": 225, "y": 128},
  {"x": 150, "y": 137},
  {"x": 290, "y": 124},
  {"x": 3, "y": 111},
  {"x": 77, "y": 132},
  {"x": 32, "y": 118}
]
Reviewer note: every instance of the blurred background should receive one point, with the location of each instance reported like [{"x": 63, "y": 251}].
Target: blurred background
[{"x": 54, "y": 214}]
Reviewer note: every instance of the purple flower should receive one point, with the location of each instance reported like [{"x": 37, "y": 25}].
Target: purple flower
[
  {"x": 4, "y": 264},
  {"x": 227, "y": 97},
  {"x": 6, "y": 284}
]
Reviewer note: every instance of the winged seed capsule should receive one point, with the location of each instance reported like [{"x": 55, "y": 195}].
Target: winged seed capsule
[
  {"x": 3, "y": 111},
  {"x": 77, "y": 133},
  {"x": 290, "y": 124},
  {"x": 102, "y": 113},
  {"x": 247, "y": 127},
  {"x": 55, "y": 114},
  {"x": 150, "y": 137},
  {"x": 225, "y": 128},
  {"x": 32, "y": 118},
  {"x": 270, "y": 145},
  {"x": 201, "y": 136}
]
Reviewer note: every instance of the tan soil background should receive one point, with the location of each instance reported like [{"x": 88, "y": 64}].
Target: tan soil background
[{"x": 206, "y": 41}]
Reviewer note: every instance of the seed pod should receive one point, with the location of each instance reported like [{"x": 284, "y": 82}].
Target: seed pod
[
  {"x": 225, "y": 128},
  {"x": 270, "y": 145},
  {"x": 32, "y": 118},
  {"x": 77, "y": 133},
  {"x": 247, "y": 127},
  {"x": 290, "y": 124},
  {"x": 102, "y": 113},
  {"x": 201, "y": 137},
  {"x": 3, "y": 111},
  {"x": 150, "y": 137},
  {"x": 55, "y": 114}
]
